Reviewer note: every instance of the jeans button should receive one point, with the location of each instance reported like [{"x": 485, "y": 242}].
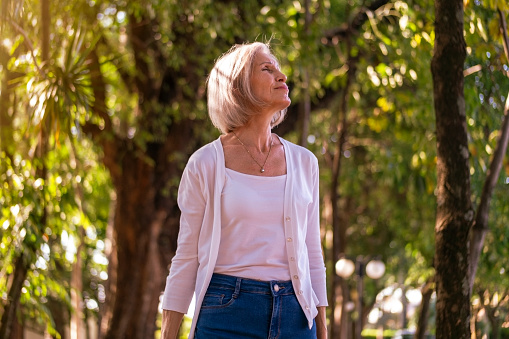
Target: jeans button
[{"x": 276, "y": 288}]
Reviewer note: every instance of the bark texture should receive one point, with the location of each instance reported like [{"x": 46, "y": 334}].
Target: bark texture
[
  {"x": 454, "y": 214},
  {"x": 145, "y": 173},
  {"x": 422, "y": 322},
  {"x": 9, "y": 311}
]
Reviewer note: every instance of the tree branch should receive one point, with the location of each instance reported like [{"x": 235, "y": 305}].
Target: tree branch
[
  {"x": 339, "y": 33},
  {"x": 503, "y": 30},
  {"x": 27, "y": 42},
  {"x": 480, "y": 226},
  {"x": 110, "y": 146},
  {"x": 120, "y": 67},
  {"x": 99, "y": 88},
  {"x": 139, "y": 35}
]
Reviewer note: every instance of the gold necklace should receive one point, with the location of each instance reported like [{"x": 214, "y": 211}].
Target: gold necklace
[{"x": 262, "y": 167}]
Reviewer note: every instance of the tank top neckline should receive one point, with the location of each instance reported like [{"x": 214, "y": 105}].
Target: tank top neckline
[{"x": 255, "y": 176}]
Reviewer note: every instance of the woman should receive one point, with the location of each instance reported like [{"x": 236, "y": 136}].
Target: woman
[{"x": 249, "y": 241}]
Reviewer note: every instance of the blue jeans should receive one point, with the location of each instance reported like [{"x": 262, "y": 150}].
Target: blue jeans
[{"x": 244, "y": 308}]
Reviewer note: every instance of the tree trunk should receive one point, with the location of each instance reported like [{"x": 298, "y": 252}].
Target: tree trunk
[
  {"x": 492, "y": 311},
  {"x": 144, "y": 225},
  {"x": 422, "y": 322},
  {"x": 336, "y": 292},
  {"x": 454, "y": 214},
  {"x": 306, "y": 96},
  {"x": 305, "y": 107},
  {"x": 494, "y": 322},
  {"x": 110, "y": 250},
  {"x": 9, "y": 311},
  {"x": 76, "y": 289},
  {"x": 139, "y": 275},
  {"x": 144, "y": 228},
  {"x": 141, "y": 269},
  {"x": 17, "y": 330},
  {"x": 61, "y": 314},
  {"x": 145, "y": 173},
  {"x": 45, "y": 30},
  {"x": 339, "y": 224},
  {"x": 5, "y": 94}
]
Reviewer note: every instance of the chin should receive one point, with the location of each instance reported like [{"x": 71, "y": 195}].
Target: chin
[{"x": 281, "y": 105}]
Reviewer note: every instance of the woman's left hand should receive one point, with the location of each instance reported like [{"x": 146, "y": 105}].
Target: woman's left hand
[{"x": 321, "y": 323}]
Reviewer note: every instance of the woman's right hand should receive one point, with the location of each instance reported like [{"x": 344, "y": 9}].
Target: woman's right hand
[{"x": 171, "y": 324}]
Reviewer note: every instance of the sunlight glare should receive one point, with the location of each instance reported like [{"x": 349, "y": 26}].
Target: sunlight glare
[
  {"x": 403, "y": 22},
  {"x": 99, "y": 258},
  {"x": 69, "y": 245},
  {"x": 15, "y": 210},
  {"x": 103, "y": 275},
  {"x": 92, "y": 304},
  {"x": 38, "y": 183},
  {"x": 64, "y": 238},
  {"x": 265, "y": 10},
  {"x": 45, "y": 251},
  {"x": 7, "y": 43},
  {"x": 414, "y": 296},
  {"x": 120, "y": 17},
  {"x": 99, "y": 245},
  {"x": 374, "y": 315},
  {"x": 41, "y": 264},
  {"x": 91, "y": 233}
]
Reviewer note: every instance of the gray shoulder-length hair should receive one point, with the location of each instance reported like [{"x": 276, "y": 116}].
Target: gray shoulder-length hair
[{"x": 230, "y": 99}]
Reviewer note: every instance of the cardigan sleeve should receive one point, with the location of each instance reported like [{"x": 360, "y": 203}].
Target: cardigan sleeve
[
  {"x": 313, "y": 242},
  {"x": 181, "y": 280}
]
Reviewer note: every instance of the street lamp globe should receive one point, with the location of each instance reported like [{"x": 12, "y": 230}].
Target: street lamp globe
[
  {"x": 345, "y": 268},
  {"x": 375, "y": 269}
]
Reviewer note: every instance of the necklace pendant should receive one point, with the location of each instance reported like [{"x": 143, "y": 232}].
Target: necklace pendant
[{"x": 262, "y": 169}]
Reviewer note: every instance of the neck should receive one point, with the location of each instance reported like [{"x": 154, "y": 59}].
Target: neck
[{"x": 257, "y": 135}]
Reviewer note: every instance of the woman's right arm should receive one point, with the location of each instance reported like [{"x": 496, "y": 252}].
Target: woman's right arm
[
  {"x": 171, "y": 324},
  {"x": 181, "y": 281}
]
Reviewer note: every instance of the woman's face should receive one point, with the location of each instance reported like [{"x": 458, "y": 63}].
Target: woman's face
[{"x": 268, "y": 83}]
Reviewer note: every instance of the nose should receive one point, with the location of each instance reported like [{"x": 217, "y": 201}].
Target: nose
[{"x": 281, "y": 77}]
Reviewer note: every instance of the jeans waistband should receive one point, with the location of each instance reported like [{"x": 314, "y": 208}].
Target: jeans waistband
[{"x": 274, "y": 287}]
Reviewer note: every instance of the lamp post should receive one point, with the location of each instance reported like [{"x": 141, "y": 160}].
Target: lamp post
[{"x": 373, "y": 268}]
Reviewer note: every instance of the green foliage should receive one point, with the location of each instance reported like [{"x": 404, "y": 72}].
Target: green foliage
[
  {"x": 49, "y": 248},
  {"x": 374, "y": 333},
  {"x": 44, "y": 188},
  {"x": 486, "y": 92}
]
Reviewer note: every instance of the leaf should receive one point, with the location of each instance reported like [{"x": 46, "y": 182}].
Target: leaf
[{"x": 480, "y": 29}]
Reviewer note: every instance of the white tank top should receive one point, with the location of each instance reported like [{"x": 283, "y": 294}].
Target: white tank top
[{"x": 252, "y": 228}]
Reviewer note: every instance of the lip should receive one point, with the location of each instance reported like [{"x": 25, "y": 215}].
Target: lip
[{"x": 283, "y": 86}]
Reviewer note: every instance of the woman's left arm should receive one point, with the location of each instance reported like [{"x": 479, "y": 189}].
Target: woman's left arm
[
  {"x": 313, "y": 240},
  {"x": 321, "y": 323},
  {"x": 316, "y": 262}
]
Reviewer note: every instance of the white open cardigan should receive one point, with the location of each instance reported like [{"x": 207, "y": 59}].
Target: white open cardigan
[{"x": 199, "y": 200}]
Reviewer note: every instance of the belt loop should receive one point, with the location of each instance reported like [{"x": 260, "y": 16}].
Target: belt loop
[{"x": 237, "y": 288}]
